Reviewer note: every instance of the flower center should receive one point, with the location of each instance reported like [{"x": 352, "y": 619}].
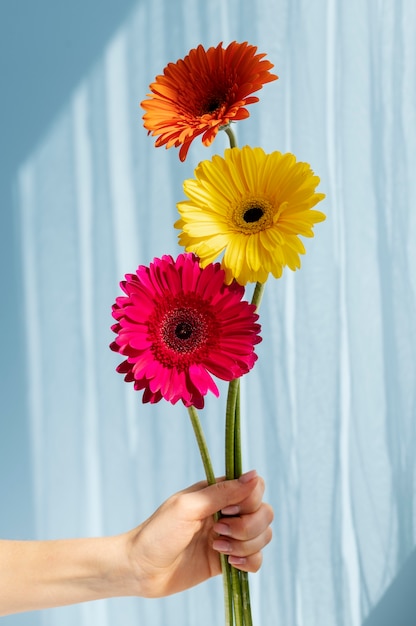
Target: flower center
[
  {"x": 253, "y": 214},
  {"x": 211, "y": 105},
  {"x": 183, "y": 329},
  {"x": 213, "y": 98}
]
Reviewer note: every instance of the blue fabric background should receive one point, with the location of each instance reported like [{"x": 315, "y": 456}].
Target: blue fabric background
[{"x": 329, "y": 410}]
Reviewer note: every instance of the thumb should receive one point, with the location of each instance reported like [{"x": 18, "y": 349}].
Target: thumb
[{"x": 223, "y": 494}]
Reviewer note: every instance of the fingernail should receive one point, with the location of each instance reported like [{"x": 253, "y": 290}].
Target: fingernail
[
  {"x": 245, "y": 478},
  {"x": 222, "y": 529},
  {"x": 232, "y": 509},
  {"x": 222, "y": 546},
  {"x": 237, "y": 560}
]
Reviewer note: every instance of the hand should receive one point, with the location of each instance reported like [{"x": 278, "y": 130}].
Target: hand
[
  {"x": 179, "y": 545},
  {"x": 176, "y": 548}
]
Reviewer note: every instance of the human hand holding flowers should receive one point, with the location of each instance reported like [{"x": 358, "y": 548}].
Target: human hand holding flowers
[
  {"x": 177, "y": 547},
  {"x": 173, "y": 550}
]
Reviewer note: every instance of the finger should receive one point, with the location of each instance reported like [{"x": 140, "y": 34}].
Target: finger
[
  {"x": 247, "y": 564},
  {"x": 245, "y": 527},
  {"x": 224, "y": 494},
  {"x": 250, "y": 504},
  {"x": 242, "y": 549},
  {"x": 201, "y": 485}
]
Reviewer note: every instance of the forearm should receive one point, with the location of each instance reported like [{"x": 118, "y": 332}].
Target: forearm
[{"x": 42, "y": 574}]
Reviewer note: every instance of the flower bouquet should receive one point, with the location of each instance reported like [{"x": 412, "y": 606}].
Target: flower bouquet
[{"x": 182, "y": 321}]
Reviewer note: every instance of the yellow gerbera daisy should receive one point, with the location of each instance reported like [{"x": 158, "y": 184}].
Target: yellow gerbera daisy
[{"x": 252, "y": 206}]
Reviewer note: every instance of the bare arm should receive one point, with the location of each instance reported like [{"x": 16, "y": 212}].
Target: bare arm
[
  {"x": 43, "y": 574},
  {"x": 177, "y": 547}
]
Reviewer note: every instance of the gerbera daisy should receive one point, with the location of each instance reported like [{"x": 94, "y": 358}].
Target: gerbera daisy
[
  {"x": 204, "y": 91},
  {"x": 177, "y": 325},
  {"x": 252, "y": 206}
]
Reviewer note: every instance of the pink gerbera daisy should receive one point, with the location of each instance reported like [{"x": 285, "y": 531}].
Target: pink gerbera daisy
[{"x": 177, "y": 325}]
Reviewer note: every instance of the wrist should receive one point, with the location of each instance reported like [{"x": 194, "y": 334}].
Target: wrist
[
  {"x": 139, "y": 580},
  {"x": 124, "y": 575}
]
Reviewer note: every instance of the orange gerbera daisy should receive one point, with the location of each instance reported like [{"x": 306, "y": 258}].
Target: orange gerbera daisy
[{"x": 204, "y": 91}]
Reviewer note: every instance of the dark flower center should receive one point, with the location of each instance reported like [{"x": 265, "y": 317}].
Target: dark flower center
[
  {"x": 183, "y": 330},
  {"x": 253, "y": 214},
  {"x": 212, "y": 98},
  {"x": 212, "y": 104}
]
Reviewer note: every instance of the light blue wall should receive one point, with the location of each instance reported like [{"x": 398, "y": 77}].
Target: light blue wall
[{"x": 329, "y": 410}]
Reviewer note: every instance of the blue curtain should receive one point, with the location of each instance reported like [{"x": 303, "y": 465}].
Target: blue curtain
[{"x": 329, "y": 409}]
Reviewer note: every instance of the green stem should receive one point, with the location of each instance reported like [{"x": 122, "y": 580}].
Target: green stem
[
  {"x": 238, "y": 469},
  {"x": 237, "y": 597},
  {"x": 202, "y": 445},
  {"x": 233, "y": 389},
  {"x": 241, "y": 591},
  {"x": 209, "y": 473},
  {"x": 234, "y": 468},
  {"x": 231, "y": 136},
  {"x": 238, "y": 457},
  {"x": 227, "y": 589},
  {"x": 233, "y": 456},
  {"x": 258, "y": 294},
  {"x": 245, "y": 589}
]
